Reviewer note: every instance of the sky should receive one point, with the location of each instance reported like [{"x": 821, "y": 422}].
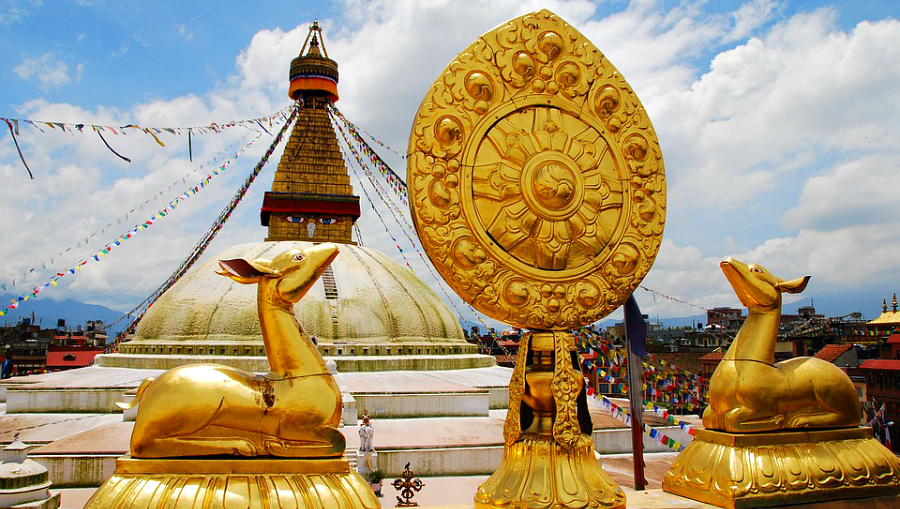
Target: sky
[{"x": 779, "y": 123}]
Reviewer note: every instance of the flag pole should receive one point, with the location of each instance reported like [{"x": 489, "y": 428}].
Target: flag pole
[{"x": 635, "y": 338}]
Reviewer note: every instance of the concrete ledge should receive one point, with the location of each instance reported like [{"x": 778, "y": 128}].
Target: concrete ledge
[
  {"x": 499, "y": 398},
  {"x": 398, "y": 405},
  {"x": 344, "y": 363},
  {"x": 61, "y": 400},
  {"x": 482, "y": 460},
  {"x": 77, "y": 470}
]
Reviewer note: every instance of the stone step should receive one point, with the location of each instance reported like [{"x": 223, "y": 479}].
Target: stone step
[
  {"x": 474, "y": 403},
  {"x": 345, "y": 363},
  {"x": 425, "y": 394},
  {"x": 331, "y": 292},
  {"x": 436, "y": 446}
]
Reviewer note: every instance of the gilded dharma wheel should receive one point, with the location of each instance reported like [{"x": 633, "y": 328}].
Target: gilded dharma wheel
[{"x": 536, "y": 180}]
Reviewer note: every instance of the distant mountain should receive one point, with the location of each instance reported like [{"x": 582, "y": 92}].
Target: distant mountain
[
  {"x": 47, "y": 311},
  {"x": 681, "y": 321}
]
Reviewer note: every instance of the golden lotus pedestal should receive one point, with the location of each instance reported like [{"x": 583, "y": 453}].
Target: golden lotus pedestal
[
  {"x": 209, "y": 483},
  {"x": 551, "y": 462},
  {"x": 536, "y": 472},
  {"x": 745, "y": 470}
]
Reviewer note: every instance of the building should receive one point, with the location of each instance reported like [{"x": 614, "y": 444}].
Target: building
[
  {"x": 881, "y": 328},
  {"x": 882, "y": 378},
  {"x": 729, "y": 319},
  {"x": 503, "y": 347},
  {"x": 61, "y": 358},
  {"x": 709, "y": 363},
  {"x": 842, "y": 356}
]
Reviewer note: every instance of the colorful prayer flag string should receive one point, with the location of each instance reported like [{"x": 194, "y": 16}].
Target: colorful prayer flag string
[
  {"x": 150, "y": 131},
  {"x": 625, "y": 416},
  {"x": 209, "y": 235},
  {"x": 171, "y": 206},
  {"x": 52, "y": 260}
]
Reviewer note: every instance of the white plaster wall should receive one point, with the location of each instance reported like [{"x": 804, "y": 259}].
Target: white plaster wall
[
  {"x": 423, "y": 405},
  {"x": 77, "y": 470},
  {"x": 440, "y": 462},
  {"x": 23, "y": 400},
  {"x": 499, "y": 398}
]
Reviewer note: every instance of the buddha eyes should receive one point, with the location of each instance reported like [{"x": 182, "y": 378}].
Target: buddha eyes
[{"x": 321, "y": 220}]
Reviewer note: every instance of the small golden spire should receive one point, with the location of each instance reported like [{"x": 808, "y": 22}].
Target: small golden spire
[
  {"x": 884, "y": 305},
  {"x": 894, "y": 303}
]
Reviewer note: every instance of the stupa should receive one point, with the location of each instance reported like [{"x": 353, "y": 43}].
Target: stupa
[{"x": 367, "y": 311}]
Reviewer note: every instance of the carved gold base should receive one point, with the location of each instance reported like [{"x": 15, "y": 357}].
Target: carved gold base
[
  {"x": 745, "y": 470},
  {"x": 537, "y": 473},
  {"x": 209, "y": 483}
]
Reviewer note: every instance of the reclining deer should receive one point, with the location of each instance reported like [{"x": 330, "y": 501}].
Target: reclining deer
[
  {"x": 749, "y": 392},
  {"x": 209, "y": 409}
]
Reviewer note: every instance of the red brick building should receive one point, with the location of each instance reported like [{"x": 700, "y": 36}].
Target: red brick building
[{"x": 883, "y": 387}]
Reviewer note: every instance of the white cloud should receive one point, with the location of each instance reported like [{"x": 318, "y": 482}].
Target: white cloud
[
  {"x": 47, "y": 69},
  {"x": 12, "y": 11},
  {"x": 184, "y": 32},
  {"x": 751, "y": 16},
  {"x": 857, "y": 193}
]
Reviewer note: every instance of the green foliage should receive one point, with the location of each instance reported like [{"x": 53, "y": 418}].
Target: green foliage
[{"x": 376, "y": 476}]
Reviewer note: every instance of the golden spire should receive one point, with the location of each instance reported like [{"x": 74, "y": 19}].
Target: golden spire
[
  {"x": 884, "y": 305},
  {"x": 894, "y": 303},
  {"x": 311, "y": 197}
]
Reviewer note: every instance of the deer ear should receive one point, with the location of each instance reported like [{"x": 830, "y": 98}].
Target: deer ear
[
  {"x": 244, "y": 272},
  {"x": 793, "y": 286}
]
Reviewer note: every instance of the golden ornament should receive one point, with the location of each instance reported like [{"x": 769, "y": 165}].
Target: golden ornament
[{"x": 536, "y": 180}]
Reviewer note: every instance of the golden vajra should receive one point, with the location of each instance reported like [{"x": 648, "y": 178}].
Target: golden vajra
[{"x": 408, "y": 485}]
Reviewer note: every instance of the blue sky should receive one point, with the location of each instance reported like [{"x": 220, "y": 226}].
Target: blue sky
[{"x": 778, "y": 122}]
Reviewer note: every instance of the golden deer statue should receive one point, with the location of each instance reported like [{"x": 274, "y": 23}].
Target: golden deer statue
[
  {"x": 209, "y": 409},
  {"x": 749, "y": 392}
]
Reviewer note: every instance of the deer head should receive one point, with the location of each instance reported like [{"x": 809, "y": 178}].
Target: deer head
[
  {"x": 293, "y": 271},
  {"x": 756, "y": 287}
]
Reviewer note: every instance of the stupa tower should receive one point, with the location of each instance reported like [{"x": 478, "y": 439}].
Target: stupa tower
[{"x": 311, "y": 198}]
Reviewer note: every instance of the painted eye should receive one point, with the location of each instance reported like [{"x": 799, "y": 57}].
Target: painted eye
[
  {"x": 328, "y": 220},
  {"x": 298, "y": 257},
  {"x": 295, "y": 219},
  {"x": 756, "y": 269}
]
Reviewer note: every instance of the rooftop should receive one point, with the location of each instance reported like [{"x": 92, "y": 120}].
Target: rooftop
[
  {"x": 831, "y": 352},
  {"x": 881, "y": 364}
]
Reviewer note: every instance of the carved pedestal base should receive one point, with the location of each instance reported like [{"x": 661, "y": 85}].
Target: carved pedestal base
[
  {"x": 538, "y": 473},
  {"x": 744, "y": 470},
  {"x": 234, "y": 482}
]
